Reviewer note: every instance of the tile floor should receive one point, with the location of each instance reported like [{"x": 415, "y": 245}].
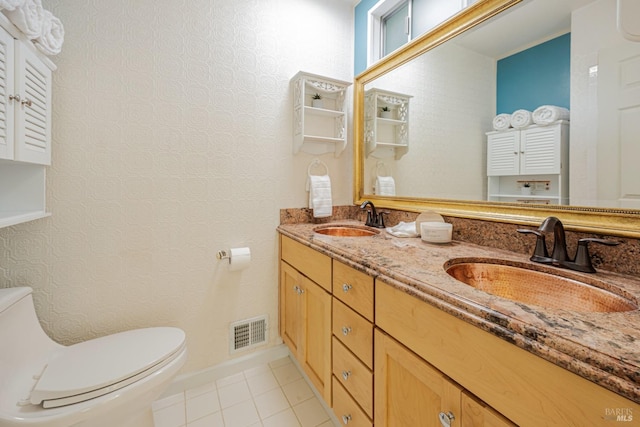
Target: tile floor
[{"x": 270, "y": 395}]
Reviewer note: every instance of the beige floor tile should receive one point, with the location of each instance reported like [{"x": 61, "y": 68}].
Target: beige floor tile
[
  {"x": 271, "y": 403},
  {"x": 310, "y": 413},
  {"x": 282, "y": 419},
  {"x": 241, "y": 415},
  {"x": 297, "y": 391},
  {"x": 286, "y": 374}
]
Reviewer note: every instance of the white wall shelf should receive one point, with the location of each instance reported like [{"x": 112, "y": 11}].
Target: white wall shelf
[
  {"x": 386, "y": 137},
  {"x": 538, "y": 155},
  {"x": 319, "y": 129}
]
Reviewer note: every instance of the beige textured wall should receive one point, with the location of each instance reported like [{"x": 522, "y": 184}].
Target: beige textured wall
[{"x": 172, "y": 140}]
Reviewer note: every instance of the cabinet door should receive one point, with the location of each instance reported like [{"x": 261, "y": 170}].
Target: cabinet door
[
  {"x": 503, "y": 153},
  {"x": 6, "y": 106},
  {"x": 540, "y": 150},
  {"x": 476, "y": 413},
  {"x": 33, "y": 112},
  {"x": 408, "y": 391},
  {"x": 290, "y": 307},
  {"x": 315, "y": 357}
]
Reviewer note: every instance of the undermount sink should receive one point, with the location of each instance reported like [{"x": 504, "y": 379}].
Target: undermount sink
[
  {"x": 543, "y": 289},
  {"x": 346, "y": 230}
]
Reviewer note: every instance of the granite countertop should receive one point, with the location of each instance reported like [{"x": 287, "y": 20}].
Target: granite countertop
[{"x": 601, "y": 347}]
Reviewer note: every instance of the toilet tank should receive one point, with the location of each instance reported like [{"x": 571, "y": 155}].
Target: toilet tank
[{"x": 23, "y": 341}]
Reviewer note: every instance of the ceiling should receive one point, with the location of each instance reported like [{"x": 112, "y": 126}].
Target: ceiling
[{"x": 532, "y": 20}]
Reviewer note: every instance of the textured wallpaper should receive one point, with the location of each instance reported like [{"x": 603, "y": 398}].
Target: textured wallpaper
[{"x": 172, "y": 130}]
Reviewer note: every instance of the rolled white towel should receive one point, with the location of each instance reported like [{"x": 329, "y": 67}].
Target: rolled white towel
[
  {"x": 28, "y": 18},
  {"x": 547, "y": 114},
  {"x": 385, "y": 186},
  {"x": 521, "y": 119},
  {"x": 502, "y": 121},
  {"x": 11, "y": 4},
  {"x": 51, "y": 37}
]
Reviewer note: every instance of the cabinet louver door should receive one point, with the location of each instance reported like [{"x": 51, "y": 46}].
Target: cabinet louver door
[
  {"x": 503, "y": 153},
  {"x": 541, "y": 150},
  {"x": 6, "y": 90},
  {"x": 33, "y": 114}
]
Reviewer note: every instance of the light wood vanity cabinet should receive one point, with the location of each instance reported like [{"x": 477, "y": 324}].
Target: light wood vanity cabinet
[
  {"x": 513, "y": 382},
  {"x": 411, "y": 392},
  {"x": 379, "y": 355},
  {"x": 353, "y": 315},
  {"x": 305, "y": 311}
]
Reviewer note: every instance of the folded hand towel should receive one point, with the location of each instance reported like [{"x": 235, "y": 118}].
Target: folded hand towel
[
  {"x": 51, "y": 37},
  {"x": 28, "y": 18},
  {"x": 320, "y": 195},
  {"x": 11, "y": 4},
  {"x": 385, "y": 186},
  {"x": 403, "y": 229},
  {"x": 521, "y": 119},
  {"x": 547, "y": 114},
  {"x": 502, "y": 121}
]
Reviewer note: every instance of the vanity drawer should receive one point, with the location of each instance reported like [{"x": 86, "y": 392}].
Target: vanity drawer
[
  {"x": 354, "y": 331},
  {"x": 311, "y": 263},
  {"x": 354, "y": 288},
  {"x": 346, "y": 409},
  {"x": 356, "y": 378}
]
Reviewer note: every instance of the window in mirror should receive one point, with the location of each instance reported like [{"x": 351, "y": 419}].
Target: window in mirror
[
  {"x": 393, "y": 23},
  {"x": 396, "y": 28}
]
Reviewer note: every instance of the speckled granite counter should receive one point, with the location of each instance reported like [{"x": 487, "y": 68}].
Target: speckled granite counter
[{"x": 601, "y": 347}]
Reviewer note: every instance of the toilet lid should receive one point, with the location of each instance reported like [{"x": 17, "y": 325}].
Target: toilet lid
[{"x": 99, "y": 366}]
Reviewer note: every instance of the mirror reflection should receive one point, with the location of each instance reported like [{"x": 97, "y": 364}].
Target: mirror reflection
[{"x": 429, "y": 123}]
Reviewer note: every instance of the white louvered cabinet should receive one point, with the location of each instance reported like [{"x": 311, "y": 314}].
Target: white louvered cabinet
[
  {"x": 537, "y": 155},
  {"x": 25, "y": 127}
]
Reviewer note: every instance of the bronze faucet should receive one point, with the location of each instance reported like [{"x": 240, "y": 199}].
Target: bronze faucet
[
  {"x": 374, "y": 219},
  {"x": 559, "y": 256}
]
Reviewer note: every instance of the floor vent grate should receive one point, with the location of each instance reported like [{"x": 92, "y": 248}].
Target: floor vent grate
[{"x": 249, "y": 333}]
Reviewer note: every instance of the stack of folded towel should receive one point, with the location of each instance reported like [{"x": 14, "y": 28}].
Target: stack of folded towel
[
  {"x": 385, "y": 186},
  {"x": 39, "y": 25},
  {"x": 320, "y": 196},
  {"x": 519, "y": 119}
]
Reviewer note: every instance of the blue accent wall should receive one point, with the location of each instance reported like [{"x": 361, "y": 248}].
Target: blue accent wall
[
  {"x": 537, "y": 76},
  {"x": 360, "y": 35}
]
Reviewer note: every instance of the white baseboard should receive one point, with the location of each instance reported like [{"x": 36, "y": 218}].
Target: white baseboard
[{"x": 195, "y": 379}]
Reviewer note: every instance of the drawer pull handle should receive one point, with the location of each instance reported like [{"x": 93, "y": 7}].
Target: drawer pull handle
[
  {"x": 346, "y": 330},
  {"x": 346, "y": 287},
  {"x": 346, "y": 375},
  {"x": 445, "y": 419},
  {"x": 346, "y": 419}
]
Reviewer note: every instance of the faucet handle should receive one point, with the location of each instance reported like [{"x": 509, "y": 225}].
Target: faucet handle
[
  {"x": 583, "y": 258},
  {"x": 381, "y": 219},
  {"x": 540, "y": 254}
]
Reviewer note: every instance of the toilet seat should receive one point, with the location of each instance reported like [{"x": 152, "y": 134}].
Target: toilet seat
[{"x": 96, "y": 367}]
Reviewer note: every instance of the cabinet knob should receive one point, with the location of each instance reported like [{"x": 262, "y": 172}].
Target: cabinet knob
[
  {"x": 346, "y": 330},
  {"x": 346, "y": 287},
  {"x": 346, "y": 375},
  {"x": 26, "y": 102},
  {"x": 445, "y": 419},
  {"x": 298, "y": 289},
  {"x": 346, "y": 419},
  {"x": 14, "y": 98}
]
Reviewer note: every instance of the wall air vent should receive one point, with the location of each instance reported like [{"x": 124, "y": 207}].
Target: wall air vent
[{"x": 249, "y": 333}]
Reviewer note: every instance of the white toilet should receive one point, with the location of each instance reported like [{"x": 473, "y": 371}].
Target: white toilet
[{"x": 100, "y": 382}]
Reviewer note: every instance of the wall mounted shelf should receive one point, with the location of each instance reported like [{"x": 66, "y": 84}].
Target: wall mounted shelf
[
  {"x": 386, "y": 137},
  {"x": 323, "y": 128}
]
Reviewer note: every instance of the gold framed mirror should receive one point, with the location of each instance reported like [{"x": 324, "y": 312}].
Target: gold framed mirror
[{"x": 617, "y": 221}]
